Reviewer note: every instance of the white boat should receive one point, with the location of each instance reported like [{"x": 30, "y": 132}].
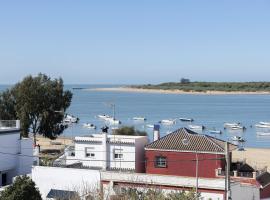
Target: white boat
[
  {"x": 215, "y": 131},
  {"x": 238, "y": 139},
  {"x": 150, "y": 126},
  {"x": 89, "y": 125},
  {"x": 167, "y": 121},
  {"x": 105, "y": 117},
  {"x": 262, "y": 126},
  {"x": 263, "y": 133},
  {"x": 196, "y": 127},
  {"x": 265, "y": 123},
  {"x": 226, "y": 125},
  {"x": 238, "y": 127},
  {"x": 139, "y": 118},
  {"x": 186, "y": 119},
  {"x": 70, "y": 119},
  {"x": 113, "y": 121}
]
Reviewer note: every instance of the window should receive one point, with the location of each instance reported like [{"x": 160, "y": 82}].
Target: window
[
  {"x": 118, "y": 155},
  {"x": 89, "y": 152},
  {"x": 160, "y": 162}
]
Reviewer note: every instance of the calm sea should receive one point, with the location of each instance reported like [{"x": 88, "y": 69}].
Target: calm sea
[{"x": 208, "y": 110}]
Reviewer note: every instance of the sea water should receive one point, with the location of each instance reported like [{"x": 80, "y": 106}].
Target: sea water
[{"x": 211, "y": 111}]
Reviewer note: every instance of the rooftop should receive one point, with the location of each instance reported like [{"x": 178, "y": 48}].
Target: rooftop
[{"x": 185, "y": 140}]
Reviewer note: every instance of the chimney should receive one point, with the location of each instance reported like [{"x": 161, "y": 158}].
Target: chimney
[{"x": 156, "y": 132}]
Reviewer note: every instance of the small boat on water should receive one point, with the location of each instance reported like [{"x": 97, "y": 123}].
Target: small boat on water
[
  {"x": 70, "y": 119},
  {"x": 168, "y": 121},
  {"x": 262, "y": 125},
  {"x": 238, "y": 139},
  {"x": 105, "y": 117},
  {"x": 113, "y": 121},
  {"x": 215, "y": 131},
  {"x": 196, "y": 127},
  {"x": 186, "y": 119},
  {"x": 238, "y": 127},
  {"x": 139, "y": 118},
  {"x": 150, "y": 126},
  {"x": 89, "y": 125},
  {"x": 228, "y": 125},
  {"x": 265, "y": 123},
  {"x": 263, "y": 133}
]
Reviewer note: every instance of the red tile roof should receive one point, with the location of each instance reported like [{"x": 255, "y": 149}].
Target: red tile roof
[{"x": 186, "y": 140}]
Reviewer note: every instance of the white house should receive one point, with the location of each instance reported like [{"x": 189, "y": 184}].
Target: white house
[
  {"x": 16, "y": 153},
  {"x": 108, "y": 152}
]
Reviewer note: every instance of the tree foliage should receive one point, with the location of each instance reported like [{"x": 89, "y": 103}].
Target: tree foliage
[
  {"x": 129, "y": 130},
  {"x": 23, "y": 188},
  {"x": 39, "y": 103}
]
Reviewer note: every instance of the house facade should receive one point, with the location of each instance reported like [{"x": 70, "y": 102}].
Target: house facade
[
  {"x": 108, "y": 152},
  {"x": 180, "y": 152},
  {"x": 16, "y": 153}
]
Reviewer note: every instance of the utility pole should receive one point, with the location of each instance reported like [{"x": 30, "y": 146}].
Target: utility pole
[
  {"x": 227, "y": 172},
  {"x": 197, "y": 178}
]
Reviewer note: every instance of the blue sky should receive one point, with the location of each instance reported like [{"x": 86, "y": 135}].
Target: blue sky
[{"x": 127, "y": 42}]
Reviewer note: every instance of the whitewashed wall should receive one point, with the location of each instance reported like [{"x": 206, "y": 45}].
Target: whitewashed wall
[
  {"x": 244, "y": 192},
  {"x": 79, "y": 180}
]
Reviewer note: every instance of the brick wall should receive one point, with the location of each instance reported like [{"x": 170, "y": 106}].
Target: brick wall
[{"x": 181, "y": 164}]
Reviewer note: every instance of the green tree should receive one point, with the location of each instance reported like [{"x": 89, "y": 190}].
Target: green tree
[
  {"x": 129, "y": 130},
  {"x": 23, "y": 188},
  {"x": 39, "y": 103}
]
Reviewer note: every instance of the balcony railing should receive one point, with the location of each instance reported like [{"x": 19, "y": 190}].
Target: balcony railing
[{"x": 9, "y": 124}]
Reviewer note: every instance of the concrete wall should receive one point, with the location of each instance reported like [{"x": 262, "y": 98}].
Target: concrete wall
[
  {"x": 79, "y": 180},
  {"x": 244, "y": 191},
  {"x": 25, "y": 158},
  {"x": 184, "y": 164}
]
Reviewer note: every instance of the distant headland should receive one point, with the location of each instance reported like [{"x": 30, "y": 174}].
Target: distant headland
[{"x": 187, "y": 87}]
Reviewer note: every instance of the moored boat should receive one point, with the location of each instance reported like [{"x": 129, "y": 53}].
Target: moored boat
[
  {"x": 139, "y": 118},
  {"x": 238, "y": 139},
  {"x": 105, "y": 117},
  {"x": 70, "y": 119},
  {"x": 263, "y": 133},
  {"x": 215, "y": 131},
  {"x": 234, "y": 124},
  {"x": 168, "y": 121},
  {"x": 265, "y": 123},
  {"x": 196, "y": 127},
  {"x": 89, "y": 125},
  {"x": 186, "y": 119},
  {"x": 150, "y": 126},
  {"x": 262, "y": 126}
]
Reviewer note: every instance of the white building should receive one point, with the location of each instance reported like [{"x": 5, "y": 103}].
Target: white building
[
  {"x": 108, "y": 152},
  {"x": 16, "y": 153}
]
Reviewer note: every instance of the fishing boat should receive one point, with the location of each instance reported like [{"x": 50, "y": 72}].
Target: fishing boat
[
  {"x": 186, "y": 119},
  {"x": 215, "y": 131},
  {"x": 228, "y": 125},
  {"x": 262, "y": 126},
  {"x": 196, "y": 127},
  {"x": 70, "y": 119},
  {"x": 139, "y": 118},
  {"x": 238, "y": 139},
  {"x": 168, "y": 121},
  {"x": 263, "y": 133},
  {"x": 89, "y": 125}
]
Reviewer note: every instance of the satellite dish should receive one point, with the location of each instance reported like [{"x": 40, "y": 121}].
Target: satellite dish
[{"x": 185, "y": 141}]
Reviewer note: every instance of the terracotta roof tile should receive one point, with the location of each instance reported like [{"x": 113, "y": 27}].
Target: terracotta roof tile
[{"x": 175, "y": 141}]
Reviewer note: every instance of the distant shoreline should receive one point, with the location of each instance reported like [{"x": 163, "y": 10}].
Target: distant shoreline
[{"x": 160, "y": 91}]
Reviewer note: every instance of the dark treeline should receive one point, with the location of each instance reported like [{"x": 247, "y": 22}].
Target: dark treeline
[{"x": 210, "y": 86}]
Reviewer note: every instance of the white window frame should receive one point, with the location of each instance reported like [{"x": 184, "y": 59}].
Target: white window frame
[
  {"x": 118, "y": 154},
  {"x": 89, "y": 152},
  {"x": 161, "y": 162}
]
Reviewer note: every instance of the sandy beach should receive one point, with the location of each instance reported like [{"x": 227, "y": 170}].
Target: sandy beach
[
  {"x": 258, "y": 158},
  {"x": 158, "y": 91}
]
